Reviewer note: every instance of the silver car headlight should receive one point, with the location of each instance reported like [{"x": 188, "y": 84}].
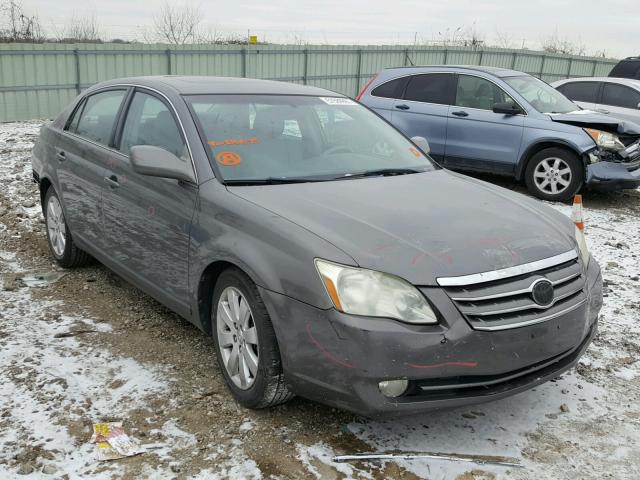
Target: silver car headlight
[
  {"x": 582, "y": 247},
  {"x": 359, "y": 291},
  {"x": 605, "y": 140}
]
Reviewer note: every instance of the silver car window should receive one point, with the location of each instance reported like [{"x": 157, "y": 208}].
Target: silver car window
[{"x": 98, "y": 116}]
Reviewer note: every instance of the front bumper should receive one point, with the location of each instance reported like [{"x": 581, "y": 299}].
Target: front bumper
[
  {"x": 339, "y": 359},
  {"x": 607, "y": 175}
]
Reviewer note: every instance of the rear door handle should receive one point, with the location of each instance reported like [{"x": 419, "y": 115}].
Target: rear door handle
[
  {"x": 112, "y": 181},
  {"x": 61, "y": 156},
  {"x": 403, "y": 107},
  {"x": 602, "y": 110},
  {"x": 460, "y": 113}
]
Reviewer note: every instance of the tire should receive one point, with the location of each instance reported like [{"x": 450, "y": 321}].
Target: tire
[
  {"x": 61, "y": 244},
  {"x": 263, "y": 386},
  {"x": 554, "y": 174}
]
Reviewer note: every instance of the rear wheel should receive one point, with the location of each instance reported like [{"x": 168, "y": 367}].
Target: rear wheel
[
  {"x": 246, "y": 344},
  {"x": 554, "y": 174},
  {"x": 61, "y": 244}
]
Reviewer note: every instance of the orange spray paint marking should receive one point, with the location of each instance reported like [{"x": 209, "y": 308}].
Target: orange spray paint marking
[
  {"x": 228, "y": 159},
  {"x": 415, "y": 152},
  {"x": 233, "y": 141}
]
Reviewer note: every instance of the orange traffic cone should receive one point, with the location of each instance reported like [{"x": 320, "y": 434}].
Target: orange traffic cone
[{"x": 576, "y": 212}]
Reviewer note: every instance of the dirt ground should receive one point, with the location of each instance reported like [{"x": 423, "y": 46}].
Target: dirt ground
[{"x": 141, "y": 364}]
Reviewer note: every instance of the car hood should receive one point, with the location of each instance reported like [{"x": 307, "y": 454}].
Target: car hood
[
  {"x": 599, "y": 121},
  {"x": 421, "y": 226}
]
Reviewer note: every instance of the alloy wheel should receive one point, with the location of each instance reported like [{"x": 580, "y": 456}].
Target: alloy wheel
[
  {"x": 237, "y": 338},
  {"x": 56, "y": 226},
  {"x": 552, "y": 175}
]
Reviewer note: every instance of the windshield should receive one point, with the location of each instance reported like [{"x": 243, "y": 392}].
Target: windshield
[
  {"x": 543, "y": 97},
  {"x": 300, "y": 138}
]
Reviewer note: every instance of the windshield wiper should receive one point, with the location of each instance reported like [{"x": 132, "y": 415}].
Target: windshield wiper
[
  {"x": 271, "y": 180},
  {"x": 382, "y": 172}
]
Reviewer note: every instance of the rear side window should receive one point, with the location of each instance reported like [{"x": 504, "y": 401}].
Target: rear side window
[
  {"x": 620, "y": 96},
  {"x": 98, "y": 116},
  {"x": 581, "y": 91},
  {"x": 391, "y": 89},
  {"x": 626, "y": 69},
  {"x": 149, "y": 122},
  {"x": 430, "y": 88},
  {"x": 476, "y": 92}
]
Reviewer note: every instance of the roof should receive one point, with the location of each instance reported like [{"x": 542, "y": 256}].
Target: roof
[
  {"x": 497, "y": 71},
  {"x": 194, "y": 85},
  {"x": 622, "y": 81}
]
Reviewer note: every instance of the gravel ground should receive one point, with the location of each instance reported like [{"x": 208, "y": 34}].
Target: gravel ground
[{"x": 140, "y": 364}]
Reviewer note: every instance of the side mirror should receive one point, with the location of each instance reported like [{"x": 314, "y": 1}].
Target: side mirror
[
  {"x": 422, "y": 144},
  {"x": 506, "y": 108},
  {"x": 158, "y": 162}
]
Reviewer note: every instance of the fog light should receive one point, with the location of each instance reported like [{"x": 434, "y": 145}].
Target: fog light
[{"x": 393, "y": 388}]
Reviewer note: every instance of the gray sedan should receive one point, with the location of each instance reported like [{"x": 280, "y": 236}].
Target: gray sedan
[{"x": 327, "y": 254}]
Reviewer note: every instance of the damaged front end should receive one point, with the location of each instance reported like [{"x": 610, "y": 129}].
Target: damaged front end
[{"x": 614, "y": 162}]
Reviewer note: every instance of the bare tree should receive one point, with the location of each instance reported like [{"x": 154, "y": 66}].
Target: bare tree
[
  {"x": 177, "y": 24},
  {"x": 554, "y": 43},
  {"x": 504, "y": 40},
  {"x": 16, "y": 25}
]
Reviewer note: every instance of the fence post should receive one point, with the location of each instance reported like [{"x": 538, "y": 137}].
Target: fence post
[
  {"x": 595, "y": 66},
  {"x": 306, "y": 66},
  {"x": 481, "y": 55},
  {"x": 358, "y": 71},
  {"x": 406, "y": 57},
  {"x": 168, "y": 54},
  {"x": 514, "y": 60},
  {"x": 446, "y": 54},
  {"x": 569, "y": 68},
  {"x": 76, "y": 57},
  {"x": 243, "y": 53},
  {"x": 544, "y": 58}
]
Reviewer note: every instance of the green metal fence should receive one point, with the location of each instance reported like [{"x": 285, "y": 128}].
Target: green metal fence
[{"x": 37, "y": 81}]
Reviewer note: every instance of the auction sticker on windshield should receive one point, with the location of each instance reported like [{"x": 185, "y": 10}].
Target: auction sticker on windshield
[{"x": 337, "y": 101}]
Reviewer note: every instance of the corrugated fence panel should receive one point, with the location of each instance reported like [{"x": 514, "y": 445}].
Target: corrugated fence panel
[{"x": 37, "y": 81}]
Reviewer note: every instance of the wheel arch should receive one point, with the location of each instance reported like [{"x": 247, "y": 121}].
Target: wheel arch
[
  {"x": 541, "y": 145},
  {"x": 45, "y": 184}
]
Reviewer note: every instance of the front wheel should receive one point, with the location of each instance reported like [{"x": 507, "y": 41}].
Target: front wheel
[
  {"x": 554, "y": 174},
  {"x": 246, "y": 344}
]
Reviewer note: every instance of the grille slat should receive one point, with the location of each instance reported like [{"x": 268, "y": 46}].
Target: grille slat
[{"x": 508, "y": 303}]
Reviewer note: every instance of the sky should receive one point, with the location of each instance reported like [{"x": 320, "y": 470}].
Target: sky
[{"x": 610, "y": 27}]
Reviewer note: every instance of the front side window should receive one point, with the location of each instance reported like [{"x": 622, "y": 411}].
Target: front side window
[
  {"x": 581, "y": 91},
  {"x": 476, "y": 92},
  {"x": 430, "y": 88},
  {"x": 541, "y": 96},
  {"x": 620, "y": 96},
  {"x": 98, "y": 116},
  {"x": 266, "y": 137},
  {"x": 149, "y": 122}
]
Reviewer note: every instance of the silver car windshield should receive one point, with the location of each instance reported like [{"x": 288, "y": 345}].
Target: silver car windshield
[
  {"x": 541, "y": 96},
  {"x": 300, "y": 138}
]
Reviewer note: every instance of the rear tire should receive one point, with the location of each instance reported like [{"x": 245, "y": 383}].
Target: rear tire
[
  {"x": 59, "y": 239},
  {"x": 554, "y": 174},
  {"x": 246, "y": 344}
]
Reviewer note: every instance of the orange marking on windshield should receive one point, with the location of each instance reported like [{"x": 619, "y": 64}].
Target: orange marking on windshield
[
  {"x": 233, "y": 141},
  {"x": 228, "y": 159},
  {"x": 415, "y": 152}
]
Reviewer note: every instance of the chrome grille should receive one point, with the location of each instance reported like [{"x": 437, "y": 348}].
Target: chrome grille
[{"x": 491, "y": 301}]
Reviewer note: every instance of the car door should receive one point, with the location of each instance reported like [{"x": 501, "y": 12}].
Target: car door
[
  {"x": 82, "y": 152},
  {"x": 477, "y": 138},
  {"x": 585, "y": 94},
  {"x": 423, "y": 109},
  {"x": 383, "y": 97},
  {"x": 147, "y": 219},
  {"x": 620, "y": 101}
]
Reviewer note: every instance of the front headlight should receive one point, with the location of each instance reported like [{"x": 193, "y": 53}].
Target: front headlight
[
  {"x": 582, "y": 246},
  {"x": 605, "y": 140},
  {"x": 359, "y": 291}
]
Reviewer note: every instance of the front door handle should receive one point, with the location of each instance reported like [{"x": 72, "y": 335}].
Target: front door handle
[
  {"x": 402, "y": 107},
  {"x": 460, "y": 113},
  {"x": 112, "y": 181},
  {"x": 61, "y": 156}
]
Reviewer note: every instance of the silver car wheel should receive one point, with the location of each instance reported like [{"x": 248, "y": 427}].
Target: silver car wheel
[
  {"x": 552, "y": 175},
  {"x": 56, "y": 226},
  {"x": 237, "y": 338}
]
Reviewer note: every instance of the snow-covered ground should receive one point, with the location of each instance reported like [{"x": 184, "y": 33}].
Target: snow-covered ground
[{"x": 584, "y": 425}]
